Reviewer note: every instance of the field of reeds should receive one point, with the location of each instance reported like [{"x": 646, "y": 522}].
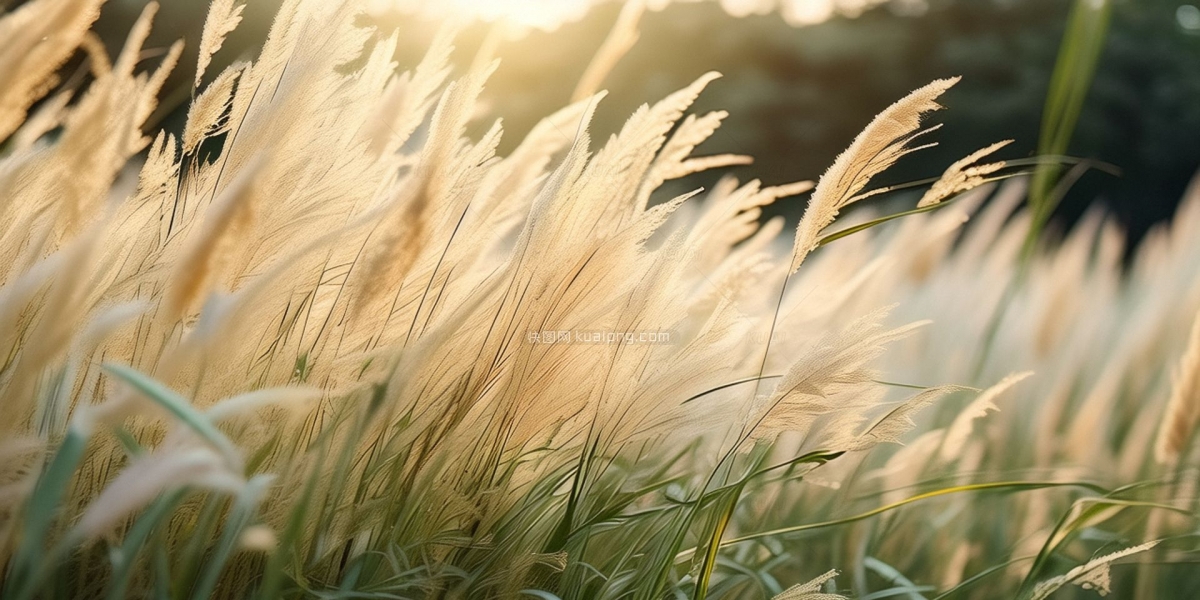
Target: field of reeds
[{"x": 325, "y": 344}]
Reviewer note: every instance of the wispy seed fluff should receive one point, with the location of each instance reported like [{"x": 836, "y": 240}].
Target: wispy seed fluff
[{"x": 1183, "y": 409}]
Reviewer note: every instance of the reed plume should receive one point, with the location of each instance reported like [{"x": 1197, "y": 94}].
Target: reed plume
[
  {"x": 1183, "y": 408},
  {"x": 328, "y": 340}
]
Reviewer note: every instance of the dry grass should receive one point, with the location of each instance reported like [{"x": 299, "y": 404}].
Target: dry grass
[{"x": 307, "y": 352}]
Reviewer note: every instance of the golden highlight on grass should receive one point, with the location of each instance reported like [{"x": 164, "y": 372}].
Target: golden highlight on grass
[
  {"x": 1183, "y": 410},
  {"x": 324, "y": 344}
]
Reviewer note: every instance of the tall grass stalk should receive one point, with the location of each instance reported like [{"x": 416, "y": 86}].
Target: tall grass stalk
[
  {"x": 327, "y": 344},
  {"x": 1078, "y": 58}
]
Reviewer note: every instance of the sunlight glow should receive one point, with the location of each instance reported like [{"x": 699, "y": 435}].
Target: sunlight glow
[
  {"x": 550, "y": 14},
  {"x": 541, "y": 14}
]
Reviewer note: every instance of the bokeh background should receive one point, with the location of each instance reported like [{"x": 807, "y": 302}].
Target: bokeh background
[{"x": 797, "y": 95}]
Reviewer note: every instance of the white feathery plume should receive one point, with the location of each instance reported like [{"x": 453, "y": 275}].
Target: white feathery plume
[
  {"x": 885, "y": 140},
  {"x": 811, "y": 590},
  {"x": 1092, "y": 575},
  {"x": 963, "y": 175},
  {"x": 959, "y": 431},
  {"x": 223, "y": 18}
]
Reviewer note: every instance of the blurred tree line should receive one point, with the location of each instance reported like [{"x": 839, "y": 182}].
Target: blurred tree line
[{"x": 797, "y": 96}]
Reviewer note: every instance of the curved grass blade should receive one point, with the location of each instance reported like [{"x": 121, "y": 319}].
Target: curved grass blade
[
  {"x": 30, "y": 565},
  {"x": 178, "y": 406},
  {"x": 1069, "y": 526},
  {"x": 980, "y": 576},
  {"x": 1078, "y": 56},
  {"x": 239, "y": 518},
  {"x": 975, "y": 487},
  {"x": 145, "y": 525}
]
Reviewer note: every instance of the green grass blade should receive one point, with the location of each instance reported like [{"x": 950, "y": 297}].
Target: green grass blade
[
  {"x": 713, "y": 545},
  {"x": 1068, "y": 527},
  {"x": 980, "y": 576},
  {"x": 243, "y": 511},
  {"x": 975, "y": 487},
  {"x": 125, "y": 558},
  {"x": 178, "y": 406},
  {"x": 1079, "y": 53},
  {"x": 30, "y": 565}
]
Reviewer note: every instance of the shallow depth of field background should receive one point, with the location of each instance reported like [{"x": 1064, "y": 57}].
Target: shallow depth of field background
[
  {"x": 270, "y": 257},
  {"x": 798, "y": 95}
]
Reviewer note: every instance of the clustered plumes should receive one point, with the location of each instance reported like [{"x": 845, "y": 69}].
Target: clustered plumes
[
  {"x": 1104, "y": 393},
  {"x": 328, "y": 333}
]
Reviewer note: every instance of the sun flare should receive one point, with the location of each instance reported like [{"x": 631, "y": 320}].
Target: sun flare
[{"x": 541, "y": 14}]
